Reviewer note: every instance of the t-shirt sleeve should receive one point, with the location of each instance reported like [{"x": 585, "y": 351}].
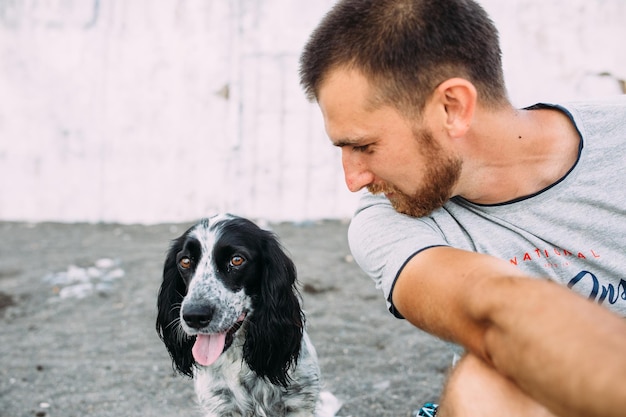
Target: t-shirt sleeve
[{"x": 382, "y": 241}]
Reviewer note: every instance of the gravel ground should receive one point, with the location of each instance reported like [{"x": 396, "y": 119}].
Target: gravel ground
[{"x": 77, "y": 310}]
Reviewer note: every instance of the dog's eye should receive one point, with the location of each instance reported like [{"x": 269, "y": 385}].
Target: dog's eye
[
  {"x": 185, "y": 263},
  {"x": 237, "y": 260}
]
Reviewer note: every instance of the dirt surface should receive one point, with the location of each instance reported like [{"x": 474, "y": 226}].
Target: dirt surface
[{"x": 77, "y": 338}]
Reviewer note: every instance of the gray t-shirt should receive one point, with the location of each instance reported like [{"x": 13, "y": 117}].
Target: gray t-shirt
[{"x": 573, "y": 232}]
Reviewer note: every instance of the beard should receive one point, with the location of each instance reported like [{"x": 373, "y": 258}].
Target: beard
[{"x": 440, "y": 176}]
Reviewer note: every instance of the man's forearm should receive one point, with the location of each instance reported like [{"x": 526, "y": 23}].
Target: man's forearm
[
  {"x": 563, "y": 350},
  {"x": 558, "y": 347}
]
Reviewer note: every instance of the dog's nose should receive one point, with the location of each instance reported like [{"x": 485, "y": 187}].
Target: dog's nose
[{"x": 198, "y": 317}]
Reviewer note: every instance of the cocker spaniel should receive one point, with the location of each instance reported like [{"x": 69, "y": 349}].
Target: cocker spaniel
[{"x": 229, "y": 315}]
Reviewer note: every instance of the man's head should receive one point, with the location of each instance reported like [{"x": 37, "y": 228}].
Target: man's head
[
  {"x": 405, "y": 48},
  {"x": 410, "y": 160},
  {"x": 398, "y": 82}
]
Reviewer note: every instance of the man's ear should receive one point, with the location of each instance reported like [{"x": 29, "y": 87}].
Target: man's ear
[{"x": 458, "y": 97}]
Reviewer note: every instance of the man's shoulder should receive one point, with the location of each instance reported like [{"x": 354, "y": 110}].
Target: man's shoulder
[
  {"x": 612, "y": 105},
  {"x": 600, "y": 109}
]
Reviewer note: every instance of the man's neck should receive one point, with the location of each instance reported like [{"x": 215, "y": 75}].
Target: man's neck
[{"x": 516, "y": 153}]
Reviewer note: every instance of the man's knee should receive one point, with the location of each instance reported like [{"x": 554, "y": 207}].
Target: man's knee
[{"x": 476, "y": 389}]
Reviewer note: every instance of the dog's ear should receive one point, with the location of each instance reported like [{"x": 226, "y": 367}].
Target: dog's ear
[
  {"x": 169, "y": 301},
  {"x": 275, "y": 329}
]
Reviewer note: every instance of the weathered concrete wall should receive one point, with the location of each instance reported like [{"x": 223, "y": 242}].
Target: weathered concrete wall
[{"x": 142, "y": 111}]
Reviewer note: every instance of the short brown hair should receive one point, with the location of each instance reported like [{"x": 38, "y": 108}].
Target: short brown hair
[{"x": 405, "y": 48}]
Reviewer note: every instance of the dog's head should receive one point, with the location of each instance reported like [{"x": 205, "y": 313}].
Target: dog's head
[{"x": 226, "y": 275}]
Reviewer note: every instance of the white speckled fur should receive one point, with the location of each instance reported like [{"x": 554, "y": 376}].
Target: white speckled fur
[{"x": 258, "y": 398}]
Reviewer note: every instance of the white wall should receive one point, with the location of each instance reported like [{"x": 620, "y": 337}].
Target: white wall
[
  {"x": 561, "y": 50},
  {"x": 144, "y": 111}
]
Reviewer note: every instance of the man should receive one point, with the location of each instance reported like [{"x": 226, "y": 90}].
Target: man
[{"x": 476, "y": 208}]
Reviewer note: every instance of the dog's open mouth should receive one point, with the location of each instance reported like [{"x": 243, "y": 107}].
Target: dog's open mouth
[{"x": 208, "y": 347}]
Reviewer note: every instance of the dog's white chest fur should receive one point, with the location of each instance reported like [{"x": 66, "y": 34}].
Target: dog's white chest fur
[{"x": 230, "y": 388}]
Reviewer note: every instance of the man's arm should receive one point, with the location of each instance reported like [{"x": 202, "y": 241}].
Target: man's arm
[{"x": 566, "y": 352}]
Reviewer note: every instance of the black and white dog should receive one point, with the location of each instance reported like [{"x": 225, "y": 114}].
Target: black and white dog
[{"x": 229, "y": 314}]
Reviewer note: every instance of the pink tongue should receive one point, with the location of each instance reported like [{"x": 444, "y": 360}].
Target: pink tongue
[{"x": 208, "y": 348}]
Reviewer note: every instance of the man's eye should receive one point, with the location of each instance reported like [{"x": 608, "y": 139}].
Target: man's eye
[
  {"x": 237, "y": 260},
  {"x": 361, "y": 148},
  {"x": 185, "y": 263}
]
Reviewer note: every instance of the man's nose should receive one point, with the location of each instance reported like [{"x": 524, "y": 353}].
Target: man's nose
[{"x": 356, "y": 173}]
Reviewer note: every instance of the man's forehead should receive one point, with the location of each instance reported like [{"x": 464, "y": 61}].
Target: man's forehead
[
  {"x": 343, "y": 99},
  {"x": 346, "y": 80}
]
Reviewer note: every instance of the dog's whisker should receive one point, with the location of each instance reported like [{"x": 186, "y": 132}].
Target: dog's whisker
[
  {"x": 182, "y": 336},
  {"x": 174, "y": 322},
  {"x": 175, "y": 307}
]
